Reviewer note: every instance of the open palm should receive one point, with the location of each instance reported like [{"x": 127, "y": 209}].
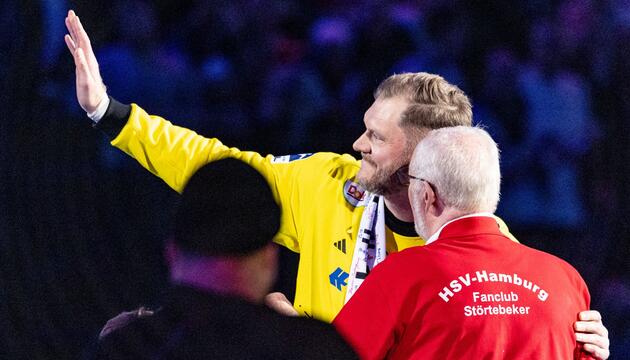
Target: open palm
[{"x": 90, "y": 88}]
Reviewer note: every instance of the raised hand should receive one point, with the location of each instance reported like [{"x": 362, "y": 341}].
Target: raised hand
[{"x": 90, "y": 88}]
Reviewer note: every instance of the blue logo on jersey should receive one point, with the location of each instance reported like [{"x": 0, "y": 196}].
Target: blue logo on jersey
[
  {"x": 338, "y": 278},
  {"x": 289, "y": 158}
]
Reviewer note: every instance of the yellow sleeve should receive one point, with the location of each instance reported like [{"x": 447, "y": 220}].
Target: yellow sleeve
[{"x": 174, "y": 154}]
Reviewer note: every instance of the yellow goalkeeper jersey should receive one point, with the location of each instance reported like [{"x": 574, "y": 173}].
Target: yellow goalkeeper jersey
[{"x": 320, "y": 202}]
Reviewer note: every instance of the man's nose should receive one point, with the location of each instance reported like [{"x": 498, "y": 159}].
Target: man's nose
[{"x": 361, "y": 145}]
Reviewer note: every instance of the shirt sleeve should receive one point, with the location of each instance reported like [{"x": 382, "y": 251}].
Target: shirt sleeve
[
  {"x": 175, "y": 153},
  {"x": 368, "y": 321}
]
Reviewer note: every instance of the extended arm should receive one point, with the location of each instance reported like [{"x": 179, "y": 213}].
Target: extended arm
[{"x": 174, "y": 153}]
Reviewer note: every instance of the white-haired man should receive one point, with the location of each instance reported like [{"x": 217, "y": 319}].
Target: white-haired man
[{"x": 470, "y": 292}]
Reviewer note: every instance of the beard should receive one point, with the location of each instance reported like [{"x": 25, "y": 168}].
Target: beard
[{"x": 384, "y": 180}]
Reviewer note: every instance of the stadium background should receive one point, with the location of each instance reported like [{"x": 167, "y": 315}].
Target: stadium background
[{"x": 81, "y": 225}]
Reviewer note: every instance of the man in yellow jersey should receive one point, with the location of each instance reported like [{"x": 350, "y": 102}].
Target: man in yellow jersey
[{"x": 341, "y": 214}]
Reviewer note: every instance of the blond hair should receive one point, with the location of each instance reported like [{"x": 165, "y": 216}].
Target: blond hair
[{"x": 433, "y": 102}]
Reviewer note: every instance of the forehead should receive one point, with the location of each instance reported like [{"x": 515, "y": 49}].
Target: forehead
[{"x": 385, "y": 113}]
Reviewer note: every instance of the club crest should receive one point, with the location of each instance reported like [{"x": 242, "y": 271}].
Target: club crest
[{"x": 353, "y": 193}]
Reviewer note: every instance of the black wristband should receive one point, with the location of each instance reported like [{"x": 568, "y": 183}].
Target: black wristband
[{"x": 115, "y": 118}]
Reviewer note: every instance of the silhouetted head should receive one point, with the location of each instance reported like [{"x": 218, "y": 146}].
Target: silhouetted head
[{"x": 227, "y": 209}]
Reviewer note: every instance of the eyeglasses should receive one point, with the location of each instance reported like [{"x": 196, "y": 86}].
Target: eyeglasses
[{"x": 405, "y": 178}]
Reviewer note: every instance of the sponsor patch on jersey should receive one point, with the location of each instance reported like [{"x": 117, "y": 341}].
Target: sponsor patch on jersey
[
  {"x": 288, "y": 158},
  {"x": 353, "y": 193},
  {"x": 338, "y": 278}
]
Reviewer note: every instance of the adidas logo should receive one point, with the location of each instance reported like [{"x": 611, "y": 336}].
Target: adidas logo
[{"x": 341, "y": 245}]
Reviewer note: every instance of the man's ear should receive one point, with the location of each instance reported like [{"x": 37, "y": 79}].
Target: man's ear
[
  {"x": 271, "y": 254},
  {"x": 432, "y": 203},
  {"x": 427, "y": 197}
]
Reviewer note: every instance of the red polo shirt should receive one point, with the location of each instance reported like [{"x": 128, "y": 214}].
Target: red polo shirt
[{"x": 471, "y": 294}]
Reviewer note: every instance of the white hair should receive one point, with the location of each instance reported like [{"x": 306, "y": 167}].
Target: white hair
[{"x": 462, "y": 163}]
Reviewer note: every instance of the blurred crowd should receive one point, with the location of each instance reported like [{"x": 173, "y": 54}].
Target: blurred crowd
[{"x": 549, "y": 79}]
